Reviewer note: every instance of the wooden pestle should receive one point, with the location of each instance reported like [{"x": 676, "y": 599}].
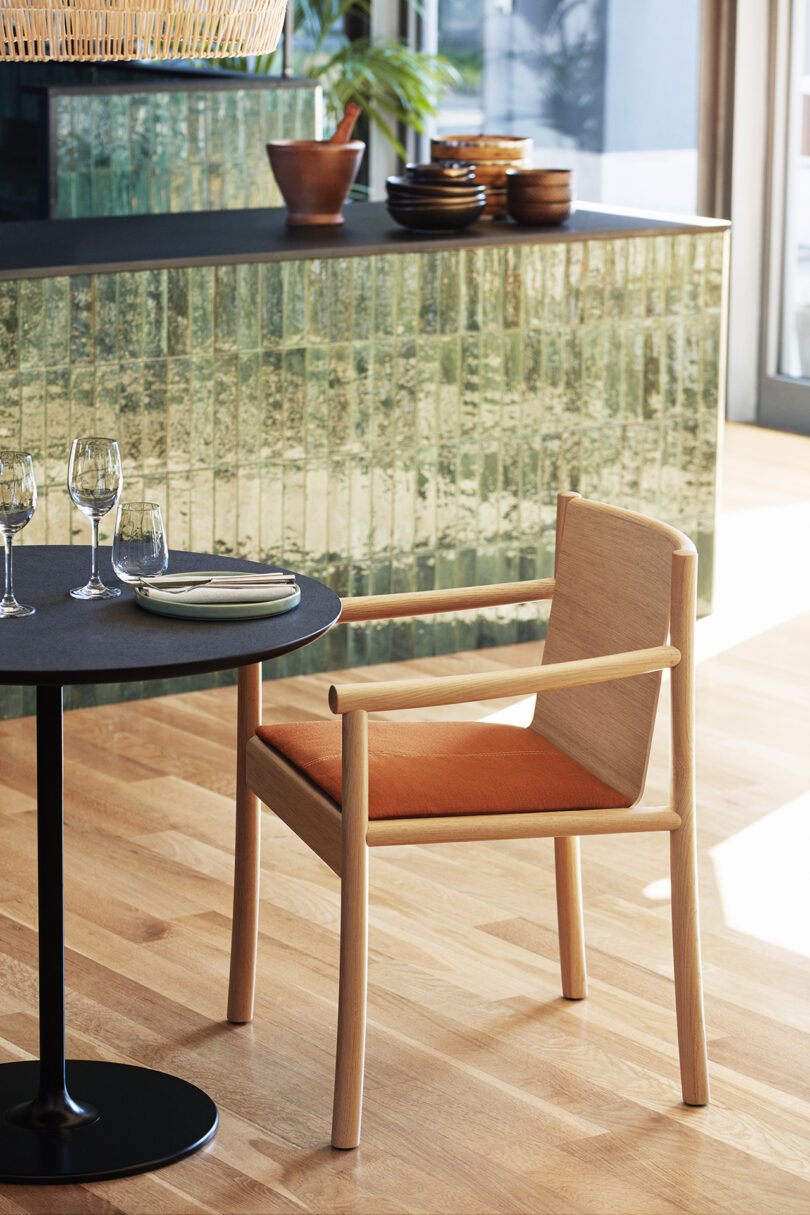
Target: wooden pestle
[{"x": 346, "y": 125}]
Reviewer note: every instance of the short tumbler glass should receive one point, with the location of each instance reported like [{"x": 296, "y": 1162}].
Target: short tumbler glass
[{"x": 139, "y": 547}]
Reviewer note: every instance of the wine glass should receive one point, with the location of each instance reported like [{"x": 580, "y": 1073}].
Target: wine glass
[
  {"x": 18, "y": 500},
  {"x": 139, "y": 548},
  {"x": 94, "y": 484}
]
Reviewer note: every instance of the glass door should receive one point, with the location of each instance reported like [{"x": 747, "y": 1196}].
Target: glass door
[{"x": 785, "y": 379}]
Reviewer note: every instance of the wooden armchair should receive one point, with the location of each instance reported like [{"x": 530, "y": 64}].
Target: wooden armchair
[{"x": 623, "y": 608}]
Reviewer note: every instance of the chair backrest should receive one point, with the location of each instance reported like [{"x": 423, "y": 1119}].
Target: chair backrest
[{"x": 612, "y": 593}]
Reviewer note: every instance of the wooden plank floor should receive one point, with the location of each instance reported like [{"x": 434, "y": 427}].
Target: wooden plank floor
[{"x": 486, "y": 1092}]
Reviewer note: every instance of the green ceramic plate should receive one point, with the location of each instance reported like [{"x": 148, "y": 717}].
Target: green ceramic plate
[{"x": 219, "y": 611}]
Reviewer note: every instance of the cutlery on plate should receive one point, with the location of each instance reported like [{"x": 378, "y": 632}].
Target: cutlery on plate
[{"x": 178, "y": 583}]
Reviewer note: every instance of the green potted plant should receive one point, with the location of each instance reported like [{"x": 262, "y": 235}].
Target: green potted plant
[{"x": 390, "y": 82}]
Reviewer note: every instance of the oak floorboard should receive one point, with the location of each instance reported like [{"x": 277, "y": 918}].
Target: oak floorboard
[{"x": 486, "y": 1092}]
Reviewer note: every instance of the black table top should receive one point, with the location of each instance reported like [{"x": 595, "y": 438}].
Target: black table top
[
  {"x": 42, "y": 248},
  {"x": 81, "y": 641}
]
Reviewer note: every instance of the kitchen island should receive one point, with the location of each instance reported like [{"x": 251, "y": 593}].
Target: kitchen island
[{"x": 382, "y": 409}]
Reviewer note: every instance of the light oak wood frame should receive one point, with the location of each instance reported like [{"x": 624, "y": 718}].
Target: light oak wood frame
[{"x": 342, "y": 837}]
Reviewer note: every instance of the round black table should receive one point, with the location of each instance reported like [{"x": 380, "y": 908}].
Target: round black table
[{"x": 116, "y": 1119}]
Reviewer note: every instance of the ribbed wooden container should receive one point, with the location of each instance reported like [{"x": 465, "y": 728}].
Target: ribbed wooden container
[
  {"x": 491, "y": 156},
  {"x": 123, "y": 29}
]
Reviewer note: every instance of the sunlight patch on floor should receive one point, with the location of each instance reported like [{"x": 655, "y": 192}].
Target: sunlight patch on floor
[
  {"x": 762, "y": 576},
  {"x": 761, "y": 875}
]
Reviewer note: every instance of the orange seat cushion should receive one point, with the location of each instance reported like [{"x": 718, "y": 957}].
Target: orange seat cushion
[{"x": 417, "y": 769}]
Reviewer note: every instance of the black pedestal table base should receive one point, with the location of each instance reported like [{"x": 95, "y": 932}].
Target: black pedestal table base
[
  {"x": 145, "y": 1119},
  {"x": 118, "y": 1119}
]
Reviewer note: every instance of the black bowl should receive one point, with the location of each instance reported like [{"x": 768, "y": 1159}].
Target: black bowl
[
  {"x": 426, "y": 218},
  {"x": 438, "y": 189},
  {"x": 450, "y": 198},
  {"x": 444, "y": 171}
]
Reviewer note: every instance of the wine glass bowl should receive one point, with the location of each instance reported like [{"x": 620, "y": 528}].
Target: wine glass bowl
[
  {"x": 139, "y": 547},
  {"x": 94, "y": 484},
  {"x": 18, "y": 500}
]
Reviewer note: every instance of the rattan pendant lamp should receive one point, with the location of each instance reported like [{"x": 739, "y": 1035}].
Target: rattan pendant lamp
[{"x": 93, "y": 30}]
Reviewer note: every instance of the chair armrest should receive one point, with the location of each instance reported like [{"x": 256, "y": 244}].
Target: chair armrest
[
  {"x": 423, "y": 603},
  {"x": 456, "y": 689}
]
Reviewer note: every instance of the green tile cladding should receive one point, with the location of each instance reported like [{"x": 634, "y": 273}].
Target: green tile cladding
[
  {"x": 132, "y": 153},
  {"x": 382, "y": 423}
]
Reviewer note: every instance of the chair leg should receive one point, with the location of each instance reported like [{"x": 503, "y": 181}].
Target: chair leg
[
  {"x": 569, "y": 917},
  {"x": 351, "y": 1032},
  {"x": 688, "y": 981},
  {"x": 247, "y": 858}
]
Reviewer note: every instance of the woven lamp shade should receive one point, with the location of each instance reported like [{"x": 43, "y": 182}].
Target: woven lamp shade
[{"x": 92, "y": 30}]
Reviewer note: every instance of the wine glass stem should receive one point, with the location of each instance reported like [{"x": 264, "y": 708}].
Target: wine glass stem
[
  {"x": 8, "y": 597},
  {"x": 94, "y": 553}
]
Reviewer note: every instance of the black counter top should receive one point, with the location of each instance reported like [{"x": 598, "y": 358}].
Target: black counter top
[{"x": 46, "y": 248}]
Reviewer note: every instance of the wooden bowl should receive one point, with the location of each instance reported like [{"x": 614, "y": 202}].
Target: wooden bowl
[
  {"x": 538, "y": 194},
  {"x": 537, "y": 213}
]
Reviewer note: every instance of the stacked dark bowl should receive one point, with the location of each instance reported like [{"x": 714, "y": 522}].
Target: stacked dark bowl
[{"x": 435, "y": 198}]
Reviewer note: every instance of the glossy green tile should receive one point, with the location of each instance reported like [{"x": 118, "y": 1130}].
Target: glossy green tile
[
  {"x": 634, "y": 370},
  {"x": 272, "y": 304},
  {"x": 553, "y": 391},
  {"x": 449, "y": 291},
  {"x": 248, "y": 511},
  {"x": 406, "y": 389},
  {"x": 615, "y": 278},
  {"x": 318, "y": 407},
  {"x": 131, "y": 292},
  {"x": 362, "y": 296},
  {"x": 58, "y": 434},
  {"x": 272, "y": 398},
  {"x": 656, "y": 275},
  {"x": 294, "y": 275},
  {"x": 341, "y": 298},
  {"x": 339, "y": 397},
  {"x": 635, "y": 296},
  {"x": 654, "y": 370},
  {"x": 293, "y": 380},
  {"x": 318, "y": 301},
  {"x": 293, "y": 477},
  {"x": 492, "y": 371},
  {"x": 384, "y": 296},
  {"x": 576, "y": 253},
  {"x": 106, "y": 393},
  {"x": 106, "y": 319},
  {"x": 202, "y": 286},
  {"x": 271, "y": 518},
  {"x": 32, "y": 323},
  {"x": 511, "y": 411},
  {"x": 427, "y": 391},
  {"x": 595, "y": 284},
  {"x": 429, "y": 264},
  {"x": 492, "y": 290},
  {"x": 363, "y": 398},
  {"x": 407, "y": 293},
  {"x": 556, "y": 305},
  {"x": 471, "y": 289},
  {"x": 203, "y": 453}
]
